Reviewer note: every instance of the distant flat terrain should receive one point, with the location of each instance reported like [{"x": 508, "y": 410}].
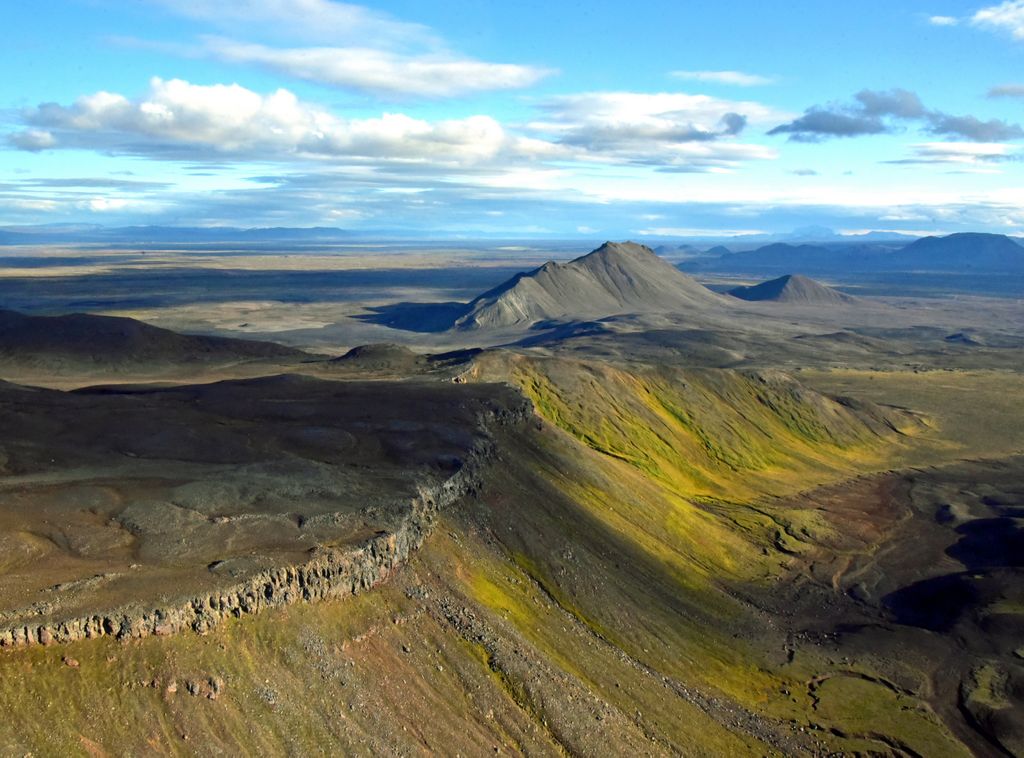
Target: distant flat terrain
[{"x": 331, "y": 299}]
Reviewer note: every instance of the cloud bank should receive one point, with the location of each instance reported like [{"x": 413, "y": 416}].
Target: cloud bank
[
  {"x": 178, "y": 120},
  {"x": 887, "y": 112}
]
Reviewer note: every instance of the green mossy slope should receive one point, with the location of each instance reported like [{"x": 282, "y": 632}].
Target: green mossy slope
[{"x": 580, "y": 603}]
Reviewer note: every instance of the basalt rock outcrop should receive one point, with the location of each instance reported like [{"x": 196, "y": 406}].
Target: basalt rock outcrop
[{"x": 328, "y": 572}]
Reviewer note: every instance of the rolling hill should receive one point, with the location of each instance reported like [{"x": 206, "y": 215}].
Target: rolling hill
[{"x": 88, "y": 340}]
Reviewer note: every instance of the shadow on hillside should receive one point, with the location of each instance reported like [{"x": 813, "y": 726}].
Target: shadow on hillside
[{"x": 415, "y": 317}]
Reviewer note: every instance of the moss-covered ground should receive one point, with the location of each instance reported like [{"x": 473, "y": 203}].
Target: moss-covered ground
[{"x": 584, "y": 602}]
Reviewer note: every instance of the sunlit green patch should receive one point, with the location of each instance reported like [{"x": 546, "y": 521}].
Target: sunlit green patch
[{"x": 866, "y": 711}]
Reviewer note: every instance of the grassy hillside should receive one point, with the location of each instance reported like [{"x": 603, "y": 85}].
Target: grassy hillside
[{"x": 584, "y": 602}]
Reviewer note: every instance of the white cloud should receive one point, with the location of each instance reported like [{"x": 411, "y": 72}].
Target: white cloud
[
  {"x": 345, "y": 214},
  {"x": 900, "y": 215},
  {"x": 663, "y": 108},
  {"x": 32, "y": 204},
  {"x": 746, "y": 192},
  {"x": 908, "y": 232},
  {"x": 676, "y": 231},
  {"x": 340, "y": 45},
  {"x": 668, "y": 130},
  {"x": 734, "y": 78},
  {"x": 943, "y": 20},
  {"x": 382, "y": 71},
  {"x": 534, "y": 179},
  {"x": 306, "y": 20},
  {"x": 103, "y": 204},
  {"x": 1007, "y": 16},
  {"x": 969, "y": 153},
  {"x": 179, "y": 119}
]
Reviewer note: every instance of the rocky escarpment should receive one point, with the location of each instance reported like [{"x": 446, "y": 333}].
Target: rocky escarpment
[{"x": 329, "y": 572}]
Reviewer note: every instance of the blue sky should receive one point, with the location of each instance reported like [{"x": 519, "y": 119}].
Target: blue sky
[{"x": 604, "y": 119}]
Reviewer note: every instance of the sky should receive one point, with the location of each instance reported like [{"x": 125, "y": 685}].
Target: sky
[{"x": 553, "y": 118}]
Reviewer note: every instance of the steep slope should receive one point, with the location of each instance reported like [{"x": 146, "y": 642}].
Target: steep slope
[
  {"x": 586, "y": 600},
  {"x": 82, "y": 341},
  {"x": 703, "y": 432},
  {"x": 614, "y": 278},
  {"x": 795, "y": 289}
]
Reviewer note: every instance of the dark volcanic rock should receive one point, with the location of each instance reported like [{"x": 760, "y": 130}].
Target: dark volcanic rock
[
  {"x": 356, "y": 469},
  {"x": 382, "y": 356}
]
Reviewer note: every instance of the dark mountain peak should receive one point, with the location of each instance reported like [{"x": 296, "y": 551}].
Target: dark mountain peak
[
  {"x": 793, "y": 288},
  {"x": 616, "y": 250},
  {"x": 617, "y": 277}
]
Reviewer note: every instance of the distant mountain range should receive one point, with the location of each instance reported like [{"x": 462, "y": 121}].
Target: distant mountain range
[
  {"x": 154, "y": 235},
  {"x": 956, "y": 253}
]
